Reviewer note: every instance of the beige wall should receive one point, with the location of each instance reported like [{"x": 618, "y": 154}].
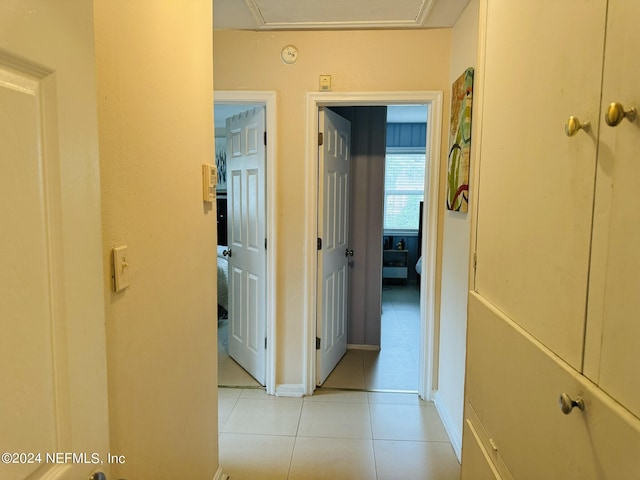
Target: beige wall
[
  {"x": 455, "y": 256},
  {"x": 154, "y": 75},
  {"x": 357, "y": 61}
]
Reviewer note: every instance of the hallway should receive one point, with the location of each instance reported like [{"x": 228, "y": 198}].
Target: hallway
[{"x": 332, "y": 435}]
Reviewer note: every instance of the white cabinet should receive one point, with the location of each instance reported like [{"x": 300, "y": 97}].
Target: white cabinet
[
  {"x": 558, "y": 231},
  {"x": 612, "y": 354},
  {"x": 543, "y": 63}
]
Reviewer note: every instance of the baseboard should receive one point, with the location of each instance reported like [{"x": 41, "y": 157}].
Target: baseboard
[
  {"x": 220, "y": 476},
  {"x": 290, "y": 390},
  {"x": 357, "y": 346},
  {"x": 454, "y": 436}
]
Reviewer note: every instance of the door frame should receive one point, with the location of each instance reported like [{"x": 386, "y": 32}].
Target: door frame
[
  {"x": 427, "y": 364},
  {"x": 269, "y": 100}
]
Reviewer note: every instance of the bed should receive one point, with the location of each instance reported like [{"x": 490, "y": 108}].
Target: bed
[{"x": 223, "y": 280}]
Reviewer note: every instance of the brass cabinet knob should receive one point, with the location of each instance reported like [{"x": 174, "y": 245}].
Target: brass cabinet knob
[
  {"x": 616, "y": 113},
  {"x": 567, "y": 403},
  {"x": 573, "y": 125}
]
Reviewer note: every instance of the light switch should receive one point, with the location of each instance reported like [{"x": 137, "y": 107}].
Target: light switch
[{"x": 120, "y": 268}]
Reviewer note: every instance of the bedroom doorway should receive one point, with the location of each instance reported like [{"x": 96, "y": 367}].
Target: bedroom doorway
[
  {"x": 245, "y": 145},
  {"x": 388, "y": 162},
  {"x": 426, "y": 338}
]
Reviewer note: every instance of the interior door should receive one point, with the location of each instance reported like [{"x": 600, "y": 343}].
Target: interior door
[
  {"x": 333, "y": 230},
  {"x": 613, "y": 331},
  {"x": 246, "y": 211},
  {"x": 52, "y": 348}
]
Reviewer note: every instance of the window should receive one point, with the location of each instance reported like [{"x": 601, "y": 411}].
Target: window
[{"x": 403, "y": 189}]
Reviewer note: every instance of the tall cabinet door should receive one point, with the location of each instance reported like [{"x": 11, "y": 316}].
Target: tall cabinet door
[
  {"x": 612, "y": 353},
  {"x": 537, "y": 184}
]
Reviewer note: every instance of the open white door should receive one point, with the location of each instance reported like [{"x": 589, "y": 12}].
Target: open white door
[
  {"x": 246, "y": 212},
  {"x": 333, "y": 233},
  {"x": 53, "y": 398}
]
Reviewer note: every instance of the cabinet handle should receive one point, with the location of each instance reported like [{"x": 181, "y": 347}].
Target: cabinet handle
[
  {"x": 567, "y": 403},
  {"x": 573, "y": 125},
  {"x": 616, "y": 113}
]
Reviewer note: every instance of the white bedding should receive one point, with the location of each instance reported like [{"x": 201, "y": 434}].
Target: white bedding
[{"x": 223, "y": 279}]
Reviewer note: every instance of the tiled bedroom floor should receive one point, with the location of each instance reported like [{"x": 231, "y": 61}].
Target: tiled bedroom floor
[{"x": 332, "y": 435}]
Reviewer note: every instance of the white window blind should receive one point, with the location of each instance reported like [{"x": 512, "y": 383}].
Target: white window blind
[{"x": 403, "y": 190}]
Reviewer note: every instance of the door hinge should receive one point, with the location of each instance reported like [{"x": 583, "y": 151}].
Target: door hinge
[
  {"x": 320, "y": 138},
  {"x": 265, "y": 343},
  {"x": 319, "y": 243},
  {"x": 265, "y": 243},
  {"x": 475, "y": 260},
  {"x": 317, "y": 343},
  {"x": 265, "y": 139}
]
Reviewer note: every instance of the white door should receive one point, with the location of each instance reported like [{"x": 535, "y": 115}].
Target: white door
[
  {"x": 333, "y": 230},
  {"x": 247, "y": 238},
  {"x": 53, "y": 394},
  {"x": 613, "y": 330}
]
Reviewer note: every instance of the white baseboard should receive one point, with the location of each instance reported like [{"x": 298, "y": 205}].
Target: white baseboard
[
  {"x": 454, "y": 435},
  {"x": 220, "y": 476},
  {"x": 290, "y": 390},
  {"x": 356, "y": 346}
]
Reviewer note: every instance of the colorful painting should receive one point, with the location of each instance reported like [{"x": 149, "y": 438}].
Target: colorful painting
[{"x": 460, "y": 143}]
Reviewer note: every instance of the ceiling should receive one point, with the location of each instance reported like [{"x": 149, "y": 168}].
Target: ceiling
[{"x": 334, "y": 14}]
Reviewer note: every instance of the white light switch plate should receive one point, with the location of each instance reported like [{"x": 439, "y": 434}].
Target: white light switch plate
[{"x": 120, "y": 268}]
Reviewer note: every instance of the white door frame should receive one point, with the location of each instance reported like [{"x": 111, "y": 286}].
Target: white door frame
[
  {"x": 267, "y": 98},
  {"x": 428, "y": 343}
]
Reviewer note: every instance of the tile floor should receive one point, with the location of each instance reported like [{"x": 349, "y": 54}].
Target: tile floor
[
  {"x": 393, "y": 368},
  {"x": 334, "y": 434},
  {"x": 343, "y": 431}
]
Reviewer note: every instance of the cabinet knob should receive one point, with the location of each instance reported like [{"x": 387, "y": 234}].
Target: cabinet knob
[
  {"x": 616, "y": 113},
  {"x": 573, "y": 125},
  {"x": 567, "y": 403}
]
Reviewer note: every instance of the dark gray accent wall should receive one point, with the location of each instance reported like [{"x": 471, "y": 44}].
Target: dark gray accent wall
[{"x": 368, "y": 140}]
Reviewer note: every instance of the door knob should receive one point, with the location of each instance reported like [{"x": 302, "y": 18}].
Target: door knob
[
  {"x": 567, "y": 403},
  {"x": 616, "y": 113},
  {"x": 573, "y": 125},
  {"x": 227, "y": 253},
  {"x": 98, "y": 476},
  {"x": 348, "y": 253}
]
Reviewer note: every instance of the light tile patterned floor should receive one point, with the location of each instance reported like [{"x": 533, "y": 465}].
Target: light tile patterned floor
[
  {"x": 340, "y": 434},
  {"x": 332, "y": 435}
]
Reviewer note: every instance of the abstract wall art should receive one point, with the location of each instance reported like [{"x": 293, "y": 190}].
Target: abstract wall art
[{"x": 460, "y": 143}]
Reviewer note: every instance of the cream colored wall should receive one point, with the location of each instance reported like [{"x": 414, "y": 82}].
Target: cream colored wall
[
  {"x": 455, "y": 256},
  {"x": 154, "y": 75},
  {"x": 357, "y": 61}
]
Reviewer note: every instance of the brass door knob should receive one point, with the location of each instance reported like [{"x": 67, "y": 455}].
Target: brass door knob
[
  {"x": 573, "y": 125},
  {"x": 567, "y": 403},
  {"x": 616, "y": 113}
]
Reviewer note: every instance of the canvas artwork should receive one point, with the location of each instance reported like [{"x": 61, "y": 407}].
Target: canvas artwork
[
  {"x": 221, "y": 163},
  {"x": 460, "y": 143}
]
